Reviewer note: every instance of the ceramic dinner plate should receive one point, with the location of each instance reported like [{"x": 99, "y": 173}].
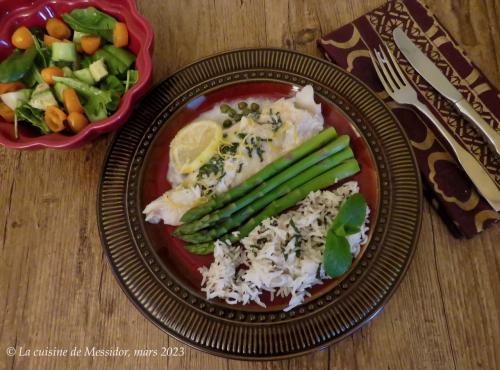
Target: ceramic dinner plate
[{"x": 162, "y": 278}]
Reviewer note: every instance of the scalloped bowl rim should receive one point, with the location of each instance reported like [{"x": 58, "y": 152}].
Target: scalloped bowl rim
[{"x": 128, "y": 100}]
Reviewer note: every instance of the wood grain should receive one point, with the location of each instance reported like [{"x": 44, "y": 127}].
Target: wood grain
[{"x": 56, "y": 289}]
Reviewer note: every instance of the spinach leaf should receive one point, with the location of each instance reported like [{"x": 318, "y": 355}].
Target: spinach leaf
[
  {"x": 92, "y": 21},
  {"x": 115, "y": 65},
  {"x": 95, "y": 108},
  {"x": 17, "y": 65},
  {"x": 87, "y": 60},
  {"x": 32, "y": 115},
  {"x": 113, "y": 84},
  {"x": 37, "y": 31},
  {"x": 33, "y": 77},
  {"x": 337, "y": 257},
  {"x": 42, "y": 60},
  {"x": 115, "y": 87}
]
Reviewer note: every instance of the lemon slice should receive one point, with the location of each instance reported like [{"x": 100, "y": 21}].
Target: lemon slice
[{"x": 194, "y": 145}]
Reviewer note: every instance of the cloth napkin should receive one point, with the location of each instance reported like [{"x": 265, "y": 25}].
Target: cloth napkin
[{"x": 446, "y": 186}]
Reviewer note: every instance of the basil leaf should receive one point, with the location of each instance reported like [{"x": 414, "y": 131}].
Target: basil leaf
[
  {"x": 337, "y": 257},
  {"x": 92, "y": 21},
  {"x": 17, "y": 65},
  {"x": 351, "y": 215}
]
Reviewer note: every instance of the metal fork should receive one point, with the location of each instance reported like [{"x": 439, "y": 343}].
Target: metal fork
[{"x": 399, "y": 89}]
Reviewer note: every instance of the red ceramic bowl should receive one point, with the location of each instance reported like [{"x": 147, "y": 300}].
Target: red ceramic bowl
[{"x": 15, "y": 13}]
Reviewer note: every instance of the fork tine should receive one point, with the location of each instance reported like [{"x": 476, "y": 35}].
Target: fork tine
[
  {"x": 388, "y": 73},
  {"x": 380, "y": 73},
  {"x": 401, "y": 75}
]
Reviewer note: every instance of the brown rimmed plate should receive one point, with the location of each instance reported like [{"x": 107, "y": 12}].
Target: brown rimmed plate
[{"x": 160, "y": 277}]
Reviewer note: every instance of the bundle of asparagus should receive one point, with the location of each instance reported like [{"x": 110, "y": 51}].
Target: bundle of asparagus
[{"x": 316, "y": 164}]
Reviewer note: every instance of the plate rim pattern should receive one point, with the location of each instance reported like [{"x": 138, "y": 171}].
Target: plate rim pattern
[{"x": 236, "y": 333}]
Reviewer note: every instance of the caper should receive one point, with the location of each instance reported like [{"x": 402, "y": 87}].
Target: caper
[
  {"x": 246, "y": 111},
  {"x": 237, "y": 117},
  {"x": 231, "y": 113},
  {"x": 227, "y": 123},
  {"x": 242, "y": 105},
  {"x": 255, "y": 107},
  {"x": 224, "y": 108}
]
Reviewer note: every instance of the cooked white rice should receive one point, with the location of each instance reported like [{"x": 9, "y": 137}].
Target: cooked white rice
[{"x": 283, "y": 255}]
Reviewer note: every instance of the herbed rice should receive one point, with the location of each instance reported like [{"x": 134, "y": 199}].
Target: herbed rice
[{"x": 283, "y": 255}]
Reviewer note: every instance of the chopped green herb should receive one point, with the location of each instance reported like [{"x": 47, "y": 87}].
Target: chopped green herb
[
  {"x": 229, "y": 149},
  {"x": 297, "y": 238},
  {"x": 276, "y": 121},
  {"x": 254, "y": 144},
  {"x": 261, "y": 241},
  {"x": 214, "y": 166}
]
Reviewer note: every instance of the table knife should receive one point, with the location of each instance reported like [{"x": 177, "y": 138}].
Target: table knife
[{"x": 426, "y": 68}]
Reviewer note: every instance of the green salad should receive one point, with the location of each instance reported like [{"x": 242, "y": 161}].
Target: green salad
[{"x": 72, "y": 72}]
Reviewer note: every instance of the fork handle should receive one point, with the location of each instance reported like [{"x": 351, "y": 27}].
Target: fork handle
[
  {"x": 480, "y": 178},
  {"x": 489, "y": 134}
]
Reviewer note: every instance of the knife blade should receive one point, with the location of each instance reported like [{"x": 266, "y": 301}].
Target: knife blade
[{"x": 433, "y": 75}]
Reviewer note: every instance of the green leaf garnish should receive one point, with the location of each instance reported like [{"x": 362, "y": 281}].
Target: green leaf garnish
[
  {"x": 92, "y": 21},
  {"x": 337, "y": 257},
  {"x": 351, "y": 214}
]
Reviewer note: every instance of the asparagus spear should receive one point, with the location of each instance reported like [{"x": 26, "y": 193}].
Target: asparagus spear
[
  {"x": 347, "y": 168},
  {"x": 261, "y": 201},
  {"x": 271, "y": 169},
  {"x": 295, "y": 170}
]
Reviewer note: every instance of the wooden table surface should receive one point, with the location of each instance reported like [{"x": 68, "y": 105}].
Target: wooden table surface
[{"x": 57, "y": 290}]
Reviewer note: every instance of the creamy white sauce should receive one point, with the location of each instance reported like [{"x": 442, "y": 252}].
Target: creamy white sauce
[{"x": 282, "y": 125}]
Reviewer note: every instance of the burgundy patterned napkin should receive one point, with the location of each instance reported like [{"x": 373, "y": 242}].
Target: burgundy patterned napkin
[{"x": 445, "y": 185}]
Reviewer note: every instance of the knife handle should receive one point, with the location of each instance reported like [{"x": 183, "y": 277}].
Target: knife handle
[
  {"x": 478, "y": 175},
  {"x": 489, "y": 134}
]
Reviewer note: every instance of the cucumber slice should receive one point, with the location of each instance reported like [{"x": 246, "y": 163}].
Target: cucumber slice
[
  {"x": 63, "y": 52},
  {"x": 15, "y": 98},
  {"x": 77, "y": 36},
  {"x": 42, "y": 97},
  {"x": 85, "y": 75},
  {"x": 98, "y": 70}
]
